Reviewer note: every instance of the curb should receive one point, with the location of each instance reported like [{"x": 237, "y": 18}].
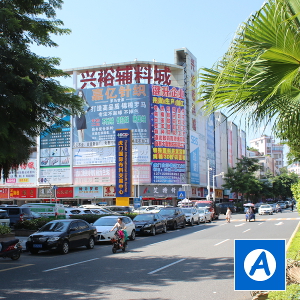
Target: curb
[{"x": 292, "y": 236}]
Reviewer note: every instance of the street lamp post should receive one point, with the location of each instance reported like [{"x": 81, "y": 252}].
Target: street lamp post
[
  {"x": 214, "y": 176},
  {"x": 208, "y": 180}
]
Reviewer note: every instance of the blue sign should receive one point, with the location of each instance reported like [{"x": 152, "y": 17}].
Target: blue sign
[
  {"x": 259, "y": 265},
  {"x": 180, "y": 194},
  {"x": 136, "y": 202},
  {"x": 123, "y": 162}
]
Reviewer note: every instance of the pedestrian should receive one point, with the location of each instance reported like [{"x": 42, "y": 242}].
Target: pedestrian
[
  {"x": 228, "y": 215},
  {"x": 292, "y": 206}
]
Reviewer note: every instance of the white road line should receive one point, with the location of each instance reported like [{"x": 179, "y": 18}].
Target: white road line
[
  {"x": 176, "y": 262},
  {"x": 260, "y": 223},
  {"x": 280, "y": 223},
  {"x": 246, "y": 230},
  {"x": 279, "y": 219},
  {"x": 81, "y": 262},
  {"x": 239, "y": 225},
  {"x": 222, "y": 242},
  {"x": 158, "y": 242},
  {"x": 288, "y": 218}
]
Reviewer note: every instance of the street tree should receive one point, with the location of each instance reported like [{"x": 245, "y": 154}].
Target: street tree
[
  {"x": 258, "y": 77},
  {"x": 31, "y": 99},
  {"x": 282, "y": 185},
  {"x": 241, "y": 178}
]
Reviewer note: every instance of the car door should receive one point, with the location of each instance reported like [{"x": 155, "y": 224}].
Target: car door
[
  {"x": 83, "y": 233},
  {"x": 129, "y": 225},
  {"x": 73, "y": 234},
  {"x": 158, "y": 222}
]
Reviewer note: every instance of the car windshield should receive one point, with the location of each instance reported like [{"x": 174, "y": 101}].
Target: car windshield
[
  {"x": 144, "y": 218},
  {"x": 55, "y": 226},
  {"x": 187, "y": 210},
  {"x": 202, "y": 204},
  {"x": 265, "y": 206},
  {"x": 167, "y": 212},
  {"x": 106, "y": 222},
  {"x": 201, "y": 211}
]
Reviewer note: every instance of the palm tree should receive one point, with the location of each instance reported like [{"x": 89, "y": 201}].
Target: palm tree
[{"x": 259, "y": 75}]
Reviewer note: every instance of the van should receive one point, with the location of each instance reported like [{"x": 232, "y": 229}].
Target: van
[
  {"x": 210, "y": 205},
  {"x": 4, "y": 218},
  {"x": 48, "y": 210},
  {"x": 17, "y": 213},
  {"x": 222, "y": 207}
]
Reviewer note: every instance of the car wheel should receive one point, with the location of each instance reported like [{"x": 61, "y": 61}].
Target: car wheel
[
  {"x": 209, "y": 220},
  {"x": 132, "y": 236},
  {"x": 164, "y": 229},
  {"x": 175, "y": 225},
  {"x": 114, "y": 250},
  {"x": 64, "y": 248},
  {"x": 153, "y": 231},
  {"x": 198, "y": 222},
  {"x": 34, "y": 251},
  {"x": 192, "y": 222},
  {"x": 91, "y": 243},
  {"x": 205, "y": 220}
]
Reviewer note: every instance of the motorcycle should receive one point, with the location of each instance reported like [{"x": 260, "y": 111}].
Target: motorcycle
[
  {"x": 117, "y": 242},
  {"x": 11, "y": 249},
  {"x": 278, "y": 209}
]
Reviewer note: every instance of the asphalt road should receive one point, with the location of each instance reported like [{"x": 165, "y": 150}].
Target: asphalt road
[{"x": 191, "y": 263}]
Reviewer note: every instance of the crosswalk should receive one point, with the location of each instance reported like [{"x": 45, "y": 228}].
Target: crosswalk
[{"x": 263, "y": 220}]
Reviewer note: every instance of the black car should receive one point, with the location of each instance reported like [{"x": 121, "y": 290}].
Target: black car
[
  {"x": 62, "y": 235},
  {"x": 222, "y": 207},
  {"x": 175, "y": 217},
  {"x": 150, "y": 224}
]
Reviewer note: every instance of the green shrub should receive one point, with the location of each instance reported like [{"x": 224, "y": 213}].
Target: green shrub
[
  {"x": 292, "y": 293},
  {"x": 4, "y": 229},
  {"x": 34, "y": 224}
]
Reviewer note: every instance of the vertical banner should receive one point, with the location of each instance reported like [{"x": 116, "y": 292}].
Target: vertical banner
[
  {"x": 123, "y": 163},
  {"x": 211, "y": 154},
  {"x": 194, "y": 158}
]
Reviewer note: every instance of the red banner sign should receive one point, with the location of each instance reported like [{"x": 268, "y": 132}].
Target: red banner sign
[
  {"x": 64, "y": 192},
  {"x": 23, "y": 193},
  {"x": 4, "y": 193}
]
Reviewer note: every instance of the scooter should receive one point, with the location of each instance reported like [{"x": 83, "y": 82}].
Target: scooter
[
  {"x": 117, "y": 242},
  {"x": 11, "y": 249}
]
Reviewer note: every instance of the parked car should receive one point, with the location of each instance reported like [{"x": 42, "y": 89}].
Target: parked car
[
  {"x": 4, "y": 218},
  {"x": 175, "y": 217},
  {"x": 282, "y": 204},
  {"x": 106, "y": 223},
  {"x": 222, "y": 207},
  {"x": 62, "y": 235},
  {"x": 211, "y": 207},
  {"x": 120, "y": 209},
  {"x": 204, "y": 215},
  {"x": 17, "y": 213},
  {"x": 273, "y": 205},
  {"x": 191, "y": 215},
  {"x": 150, "y": 223},
  {"x": 148, "y": 209},
  {"x": 265, "y": 209}
]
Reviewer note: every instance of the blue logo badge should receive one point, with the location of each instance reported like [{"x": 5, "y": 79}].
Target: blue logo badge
[{"x": 259, "y": 265}]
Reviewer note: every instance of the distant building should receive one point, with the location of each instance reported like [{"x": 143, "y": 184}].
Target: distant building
[
  {"x": 266, "y": 146},
  {"x": 294, "y": 168}
]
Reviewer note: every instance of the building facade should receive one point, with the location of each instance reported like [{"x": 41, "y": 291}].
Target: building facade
[{"x": 175, "y": 146}]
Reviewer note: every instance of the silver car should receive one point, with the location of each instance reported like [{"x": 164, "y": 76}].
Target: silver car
[{"x": 105, "y": 224}]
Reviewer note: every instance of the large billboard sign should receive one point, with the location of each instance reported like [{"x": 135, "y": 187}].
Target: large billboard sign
[
  {"x": 168, "y": 134},
  {"x": 108, "y": 109},
  {"x": 123, "y": 163},
  {"x": 55, "y": 156}
]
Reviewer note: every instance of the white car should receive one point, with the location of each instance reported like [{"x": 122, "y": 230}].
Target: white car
[
  {"x": 106, "y": 223},
  {"x": 147, "y": 209},
  {"x": 265, "y": 209},
  {"x": 191, "y": 215},
  {"x": 204, "y": 214},
  {"x": 71, "y": 211}
]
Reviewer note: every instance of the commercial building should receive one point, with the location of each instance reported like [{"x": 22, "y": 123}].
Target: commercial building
[{"x": 175, "y": 147}]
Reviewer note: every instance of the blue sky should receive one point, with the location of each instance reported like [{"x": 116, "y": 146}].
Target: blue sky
[{"x": 121, "y": 31}]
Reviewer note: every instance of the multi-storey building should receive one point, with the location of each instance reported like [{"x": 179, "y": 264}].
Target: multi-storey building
[
  {"x": 266, "y": 147},
  {"x": 175, "y": 146}
]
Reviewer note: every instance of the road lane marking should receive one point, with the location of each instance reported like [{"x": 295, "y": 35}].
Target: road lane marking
[
  {"x": 158, "y": 242},
  {"x": 246, "y": 230},
  {"x": 279, "y": 219},
  {"x": 176, "y": 262},
  {"x": 260, "y": 223},
  {"x": 280, "y": 223},
  {"x": 81, "y": 262},
  {"x": 239, "y": 225},
  {"x": 16, "y": 267},
  {"x": 222, "y": 242}
]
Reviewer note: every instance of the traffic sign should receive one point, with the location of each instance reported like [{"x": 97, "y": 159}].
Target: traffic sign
[
  {"x": 180, "y": 194},
  {"x": 259, "y": 265}
]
